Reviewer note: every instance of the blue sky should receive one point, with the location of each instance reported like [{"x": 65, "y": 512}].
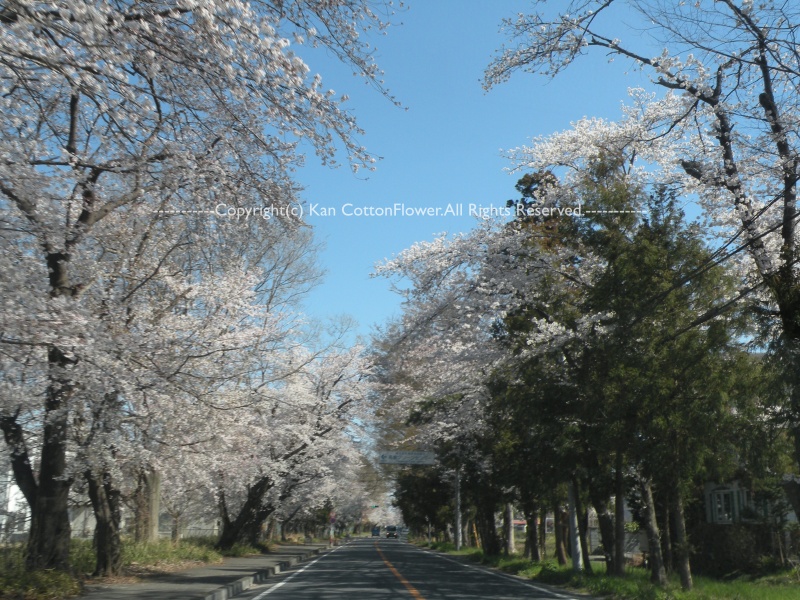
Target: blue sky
[{"x": 444, "y": 148}]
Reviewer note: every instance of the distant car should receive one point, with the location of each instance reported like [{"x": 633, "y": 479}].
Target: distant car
[
  {"x": 391, "y": 532},
  {"x": 376, "y": 532}
]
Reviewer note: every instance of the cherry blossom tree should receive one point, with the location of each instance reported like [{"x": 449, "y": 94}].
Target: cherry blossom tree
[
  {"x": 331, "y": 480},
  {"x": 122, "y": 121},
  {"x": 435, "y": 362},
  {"x": 287, "y": 439}
]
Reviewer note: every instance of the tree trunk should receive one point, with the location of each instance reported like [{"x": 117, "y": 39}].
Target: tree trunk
[
  {"x": 246, "y": 527},
  {"x": 484, "y": 518},
  {"x": 154, "y": 503},
  {"x": 175, "y": 534},
  {"x": 146, "y": 505},
  {"x": 141, "y": 520},
  {"x": 583, "y": 529},
  {"x": 543, "y": 534},
  {"x": 472, "y": 533},
  {"x": 105, "y": 501},
  {"x": 681, "y": 541},
  {"x": 575, "y": 551},
  {"x": 508, "y": 536},
  {"x": 288, "y": 523},
  {"x": 619, "y": 519},
  {"x": 558, "y": 528},
  {"x": 459, "y": 529},
  {"x": 271, "y": 529},
  {"x": 789, "y": 303},
  {"x": 658, "y": 575},
  {"x": 19, "y": 457},
  {"x": 531, "y": 537},
  {"x": 606, "y": 522},
  {"x": 49, "y": 537},
  {"x": 666, "y": 535}
]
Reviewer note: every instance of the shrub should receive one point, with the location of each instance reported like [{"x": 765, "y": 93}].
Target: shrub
[{"x": 727, "y": 550}]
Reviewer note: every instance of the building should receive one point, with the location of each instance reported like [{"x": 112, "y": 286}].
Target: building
[{"x": 14, "y": 514}]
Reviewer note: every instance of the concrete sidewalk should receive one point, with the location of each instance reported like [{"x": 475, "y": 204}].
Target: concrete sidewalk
[{"x": 210, "y": 582}]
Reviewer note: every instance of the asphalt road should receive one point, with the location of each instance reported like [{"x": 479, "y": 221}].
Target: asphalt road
[{"x": 381, "y": 569}]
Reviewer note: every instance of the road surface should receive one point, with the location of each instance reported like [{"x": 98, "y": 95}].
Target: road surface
[{"x": 381, "y": 569}]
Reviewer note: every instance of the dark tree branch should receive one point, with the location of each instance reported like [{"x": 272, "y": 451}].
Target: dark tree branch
[{"x": 20, "y": 461}]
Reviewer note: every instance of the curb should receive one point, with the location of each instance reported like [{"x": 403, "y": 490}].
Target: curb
[{"x": 240, "y": 585}]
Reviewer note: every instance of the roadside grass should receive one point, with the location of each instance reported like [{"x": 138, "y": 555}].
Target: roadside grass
[
  {"x": 16, "y": 583},
  {"x": 38, "y": 585},
  {"x": 636, "y": 586},
  {"x": 300, "y": 539},
  {"x": 783, "y": 585},
  {"x": 208, "y": 543}
]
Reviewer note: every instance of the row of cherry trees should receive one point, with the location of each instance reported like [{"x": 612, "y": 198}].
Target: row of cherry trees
[
  {"x": 139, "y": 333},
  {"x": 606, "y": 352}
]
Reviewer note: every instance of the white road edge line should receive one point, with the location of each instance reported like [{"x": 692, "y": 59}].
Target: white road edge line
[
  {"x": 502, "y": 576},
  {"x": 293, "y": 575}
]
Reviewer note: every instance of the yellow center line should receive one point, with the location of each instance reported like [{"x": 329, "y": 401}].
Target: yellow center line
[{"x": 411, "y": 589}]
